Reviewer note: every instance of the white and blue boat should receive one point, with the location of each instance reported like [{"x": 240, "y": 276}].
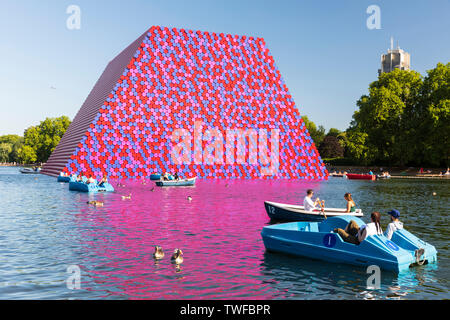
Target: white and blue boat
[
  {"x": 317, "y": 240},
  {"x": 176, "y": 183},
  {"x": 291, "y": 212},
  {"x": 30, "y": 171}
]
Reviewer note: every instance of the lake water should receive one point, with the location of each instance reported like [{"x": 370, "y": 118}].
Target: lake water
[{"x": 44, "y": 228}]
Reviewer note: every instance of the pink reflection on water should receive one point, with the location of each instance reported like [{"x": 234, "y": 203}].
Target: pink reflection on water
[{"x": 218, "y": 231}]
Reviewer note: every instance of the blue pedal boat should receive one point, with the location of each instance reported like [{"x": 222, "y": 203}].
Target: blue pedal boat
[
  {"x": 317, "y": 240},
  {"x": 91, "y": 187},
  {"x": 63, "y": 179}
]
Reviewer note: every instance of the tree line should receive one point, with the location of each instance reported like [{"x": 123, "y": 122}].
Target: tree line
[
  {"x": 404, "y": 120},
  {"x": 37, "y": 143}
]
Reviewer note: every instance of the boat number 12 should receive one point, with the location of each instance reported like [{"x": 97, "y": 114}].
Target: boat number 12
[{"x": 272, "y": 210}]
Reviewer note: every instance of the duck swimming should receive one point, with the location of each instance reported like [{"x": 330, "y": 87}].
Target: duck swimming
[
  {"x": 177, "y": 256},
  {"x": 128, "y": 197},
  {"x": 189, "y": 198},
  {"x": 95, "y": 203},
  {"x": 159, "y": 253}
]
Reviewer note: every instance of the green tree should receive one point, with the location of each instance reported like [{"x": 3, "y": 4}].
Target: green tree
[
  {"x": 387, "y": 117},
  {"x": 5, "y": 150},
  {"x": 356, "y": 147},
  {"x": 26, "y": 154},
  {"x": 331, "y": 148},
  {"x": 434, "y": 123},
  {"x": 45, "y": 137},
  {"x": 14, "y": 155},
  {"x": 333, "y": 132},
  {"x": 317, "y": 134}
]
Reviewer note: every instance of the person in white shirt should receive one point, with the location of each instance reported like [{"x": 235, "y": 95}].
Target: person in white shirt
[
  {"x": 355, "y": 234},
  {"x": 91, "y": 180},
  {"x": 308, "y": 203},
  {"x": 394, "y": 225}
]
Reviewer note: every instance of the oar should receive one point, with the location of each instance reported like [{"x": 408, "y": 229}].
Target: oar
[{"x": 322, "y": 205}]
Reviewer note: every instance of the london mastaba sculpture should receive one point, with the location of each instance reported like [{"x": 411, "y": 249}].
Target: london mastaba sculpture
[{"x": 196, "y": 103}]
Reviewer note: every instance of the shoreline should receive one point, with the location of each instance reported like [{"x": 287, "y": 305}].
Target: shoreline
[{"x": 393, "y": 171}]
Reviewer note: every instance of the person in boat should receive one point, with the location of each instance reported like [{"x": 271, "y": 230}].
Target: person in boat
[
  {"x": 80, "y": 178},
  {"x": 447, "y": 173},
  {"x": 166, "y": 176},
  {"x": 351, "y": 205},
  {"x": 356, "y": 234},
  {"x": 90, "y": 180},
  {"x": 103, "y": 181},
  {"x": 394, "y": 225},
  {"x": 308, "y": 203},
  {"x": 370, "y": 172},
  {"x": 175, "y": 176}
]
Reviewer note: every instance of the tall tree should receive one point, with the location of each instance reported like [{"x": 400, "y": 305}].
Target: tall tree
[
  {"x": 317, "y": 134},
  {"x": 434, "y": 123},
  {"x": 331, "y": 148},
  {"x": 5, "y": 150},
  {"x": 45, "y": 137},
  {"x": 386, "y": 115}
]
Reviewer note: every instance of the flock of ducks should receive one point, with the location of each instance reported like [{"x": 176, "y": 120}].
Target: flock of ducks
[{"x": 177, "y": 256}]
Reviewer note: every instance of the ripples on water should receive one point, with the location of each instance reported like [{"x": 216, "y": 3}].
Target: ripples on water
[{"x": 44, "y": 228}]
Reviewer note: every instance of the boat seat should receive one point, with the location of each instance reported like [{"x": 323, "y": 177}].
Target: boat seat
[{"x": 313, "y": 227}]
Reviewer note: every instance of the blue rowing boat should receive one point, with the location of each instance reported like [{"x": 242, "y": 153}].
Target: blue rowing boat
[
  {"x": 318, "y": 241},
  {"x": 291, "y": 212},
  {"x": 91, "y": 187}
]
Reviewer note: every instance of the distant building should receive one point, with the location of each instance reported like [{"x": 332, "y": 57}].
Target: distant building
[{"x": 394, "y": 59}]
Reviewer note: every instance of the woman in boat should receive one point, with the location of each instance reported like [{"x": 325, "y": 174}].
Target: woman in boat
[
  {"x": 90, "y": 180},
  {"x": 351, "y": 205},
  {"x": 355, "y": 234},
  {"x": 176, "y": 176},
  {"x": 80, "y": 178},
  {"x": 394, "y": 225},
  {"x": 103, "y": 181}
]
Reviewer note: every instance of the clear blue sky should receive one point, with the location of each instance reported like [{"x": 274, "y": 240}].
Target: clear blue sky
[{"x": 324, "y": 50}]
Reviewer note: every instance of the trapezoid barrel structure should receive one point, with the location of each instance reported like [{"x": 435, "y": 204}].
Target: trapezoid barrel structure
[{"x": 196, "y": 103}]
